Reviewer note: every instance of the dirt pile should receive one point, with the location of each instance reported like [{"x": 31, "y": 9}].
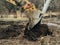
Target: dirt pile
[{"x": 38, "y": 30}]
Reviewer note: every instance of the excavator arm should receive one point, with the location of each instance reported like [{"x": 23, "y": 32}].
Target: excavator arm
[
  {"x": 38, "y": 16},
  {"x": 35, "y": 29}
]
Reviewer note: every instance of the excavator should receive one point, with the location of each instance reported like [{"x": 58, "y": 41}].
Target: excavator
[{"x": 34, "y": 28}]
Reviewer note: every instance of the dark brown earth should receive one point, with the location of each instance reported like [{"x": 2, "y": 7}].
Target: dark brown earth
[{"x": 14, "y": 35}]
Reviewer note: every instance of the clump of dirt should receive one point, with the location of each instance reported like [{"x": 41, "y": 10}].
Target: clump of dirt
[{"x": 37, "y": 31}]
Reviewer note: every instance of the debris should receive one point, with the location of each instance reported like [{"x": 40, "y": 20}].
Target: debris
[{"x": 37, "y": 31}]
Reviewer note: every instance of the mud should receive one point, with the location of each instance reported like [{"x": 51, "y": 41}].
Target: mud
[
  {"x": 38, "y": 30},
  {"x": 14, "y": 35}
]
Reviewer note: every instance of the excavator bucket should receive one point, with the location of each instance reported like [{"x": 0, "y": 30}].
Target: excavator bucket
[{"x": 34, "y": 28}]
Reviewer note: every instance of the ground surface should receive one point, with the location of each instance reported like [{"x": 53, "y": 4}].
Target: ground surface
[{"x": 14, "y": 36}]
